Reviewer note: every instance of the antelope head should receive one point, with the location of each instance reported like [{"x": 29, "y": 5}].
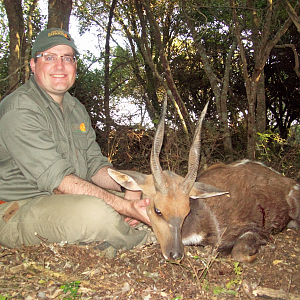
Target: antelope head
[{"x": 168, "y": 192}]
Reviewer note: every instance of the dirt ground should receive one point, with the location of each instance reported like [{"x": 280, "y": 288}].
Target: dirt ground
[{"x": 50, "y": 271}]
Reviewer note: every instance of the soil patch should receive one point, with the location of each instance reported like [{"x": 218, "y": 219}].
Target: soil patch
[{"x": 51, "y": 271}]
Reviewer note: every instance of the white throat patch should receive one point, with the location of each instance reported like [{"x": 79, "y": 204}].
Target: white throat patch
[{"x": 194, "y": 239}]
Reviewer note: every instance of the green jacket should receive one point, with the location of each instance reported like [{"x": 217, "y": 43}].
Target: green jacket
[{"x": 40, "y": 145}]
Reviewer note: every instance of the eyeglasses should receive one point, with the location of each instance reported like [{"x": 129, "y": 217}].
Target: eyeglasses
[{"x": 52, "y": 58}]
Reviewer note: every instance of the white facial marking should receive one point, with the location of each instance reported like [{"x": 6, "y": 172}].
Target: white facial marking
[{"x": 194, "y": 239}]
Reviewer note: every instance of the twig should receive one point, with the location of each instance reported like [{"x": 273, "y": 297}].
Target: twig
[
  {"x": 195, "y": 272},
  {"x": 257, "y": 291},
  {"x": 293, "y": 47},
  {"x": 44, "y": 240},
  {"x": 209, "y": 264},
  {"x": 15, "y": 72},
  {"x": 214, "y": 256},
  {"x": 6, "y": 253},
  {"x": 47, "y": 244}
]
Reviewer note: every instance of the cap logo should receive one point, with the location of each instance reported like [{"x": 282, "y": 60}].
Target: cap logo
[
  {"x": 59, "y": 32},
  {"x": 67, "y": 37}
]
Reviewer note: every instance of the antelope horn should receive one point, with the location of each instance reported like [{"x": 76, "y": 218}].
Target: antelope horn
[
  {"x": 194, "y": 155},
  {"x": 158, "y": 175}
]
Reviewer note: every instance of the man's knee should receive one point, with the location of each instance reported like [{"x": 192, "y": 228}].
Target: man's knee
[
  {"x": 86, "y": 218},
  {"x": 94, "y": 213},
  {"x": 99, "y": 221},
  {"x": 72, "y": 218}
]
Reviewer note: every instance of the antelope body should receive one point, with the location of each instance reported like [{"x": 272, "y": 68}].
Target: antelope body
[
  {"x": 261, "y": 202},
  {"x": 249, "y": 202}
]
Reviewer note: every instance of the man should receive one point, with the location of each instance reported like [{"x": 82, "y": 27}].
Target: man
[{"x": 53, "y": 176}]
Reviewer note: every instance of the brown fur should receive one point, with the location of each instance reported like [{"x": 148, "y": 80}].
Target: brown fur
[{"x": 261, "y": 202}]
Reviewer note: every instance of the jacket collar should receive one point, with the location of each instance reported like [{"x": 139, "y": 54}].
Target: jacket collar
[{"x": 47, "y": 100}]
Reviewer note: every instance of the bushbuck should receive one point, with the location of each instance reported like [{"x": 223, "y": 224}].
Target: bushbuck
[{"x": 234, "y": 207}]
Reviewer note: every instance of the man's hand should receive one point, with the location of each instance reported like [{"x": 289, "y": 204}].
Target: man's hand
[
  {"x": 140, "y": 207},
  {"x": 132, "y": 196}
]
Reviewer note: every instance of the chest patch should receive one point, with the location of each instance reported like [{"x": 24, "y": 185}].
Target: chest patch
[{"x": 79, "y": 127}]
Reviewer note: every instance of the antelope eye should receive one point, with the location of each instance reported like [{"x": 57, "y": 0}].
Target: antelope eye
[{"x": 157, "y": 211}]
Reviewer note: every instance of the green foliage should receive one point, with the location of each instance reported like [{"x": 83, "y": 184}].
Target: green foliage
[
  {"x": 91, "y": 13},
  {"x": 4, "y": 32},
  {"x": 281, "y": 154},
  {"x": 283, "y": 85},
  {"x": 269, "y": 145},
  {"x": 37, "y": 21},
  {"x": 72, "y": 289},
  {"x": 88, "y": 87},
  {"x": 131, "y": 77},
  {"x": 205, "y": 285},
  {"x": 4, "y": 49},
  {"x": 218, "y": 290},
  {"x": 232, "y": 283},
  {"x": 237, "y": 269},
  {"x": 2, "y": 297},
  {"x": 238, "y": 272}
]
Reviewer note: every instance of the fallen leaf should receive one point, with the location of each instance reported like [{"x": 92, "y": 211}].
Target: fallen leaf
[
  {"x": 276, "y": 262},
  {"x": 125, "y": 288}
]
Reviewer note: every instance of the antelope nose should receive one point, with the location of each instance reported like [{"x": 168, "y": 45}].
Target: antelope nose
[{"x": 176, "y": 255}]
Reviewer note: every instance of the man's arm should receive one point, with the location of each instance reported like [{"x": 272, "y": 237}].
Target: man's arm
[
  {"x": 102, "y": 179},
  {"x": 136, "y": 209}
]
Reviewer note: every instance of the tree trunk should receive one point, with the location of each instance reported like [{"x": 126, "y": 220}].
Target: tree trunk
[
  {"x": 220, "y": 91},
  {"x": 167, "y": 82},
  {"x": 29, "y": 38},
  {"x": 262, "y": 51},
  {"x": 59, "y": 14},
  {"x": 149, "y": 84},
  {"x": 292, "y": 13},
  {"x": 261, "y": 118},
  {"x": 223, "y": 104},
  {"x": 251, "y": 146},
  {"x": 106, "y": 68},
  {"x": 17, "y": 41}
]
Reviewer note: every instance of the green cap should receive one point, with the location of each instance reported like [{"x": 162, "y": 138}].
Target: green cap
[{"x": 52, "y": 37}]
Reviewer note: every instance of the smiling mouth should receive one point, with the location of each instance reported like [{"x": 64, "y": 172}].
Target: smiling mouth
[{"x": 58, "y": 76}]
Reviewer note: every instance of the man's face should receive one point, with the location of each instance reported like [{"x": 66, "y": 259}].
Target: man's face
[{"x": 55, "y": 78}]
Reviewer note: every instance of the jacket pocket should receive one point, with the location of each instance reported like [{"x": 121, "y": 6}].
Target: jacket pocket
[
  {"x": 81, "y": 145},
  {"x": 81, "y": 159}
]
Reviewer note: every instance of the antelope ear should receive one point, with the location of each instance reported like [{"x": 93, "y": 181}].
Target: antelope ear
[
  {"x": 133, "y": 181},
  {"x": 125, "y": 180},
  {"x": 202, "y": 190}
]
